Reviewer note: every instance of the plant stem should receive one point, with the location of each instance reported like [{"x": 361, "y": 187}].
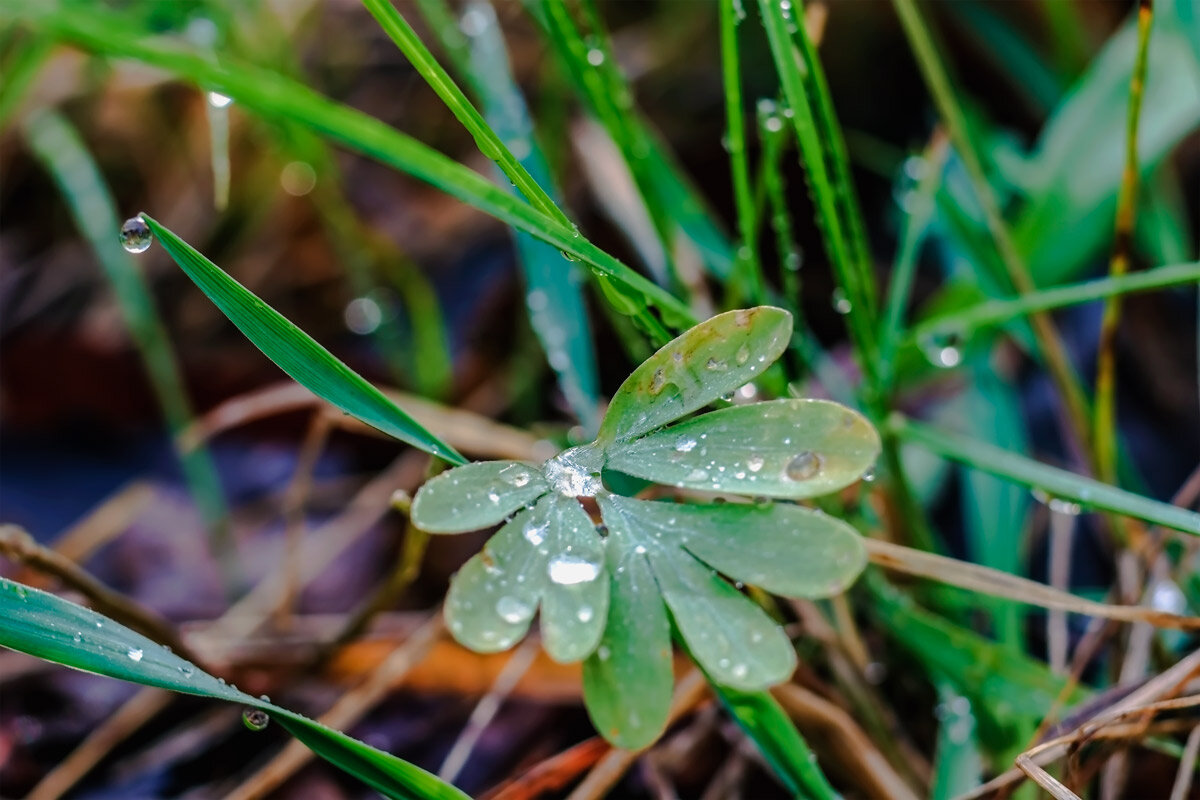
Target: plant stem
[
  {"x": 1105, "y": 423},
  {"x": 747, "y": 260},
  {"x": 1049, "y": 342},
  {"x": 440, "y": 81}
]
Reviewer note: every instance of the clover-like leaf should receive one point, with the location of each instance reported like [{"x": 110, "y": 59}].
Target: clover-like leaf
[
  {"x": 476, "y": 496},
  {"x": 627, "y": 681},
  {"x": 704, "y": 363},
  {"x": 782, "y": 448},
  {"x": 549, "y": 554},
  {"x": 785, "y": 549},
  {"x": 731, "y": 637}
]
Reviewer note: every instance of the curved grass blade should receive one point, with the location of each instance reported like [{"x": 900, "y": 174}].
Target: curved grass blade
[
  {"x": 276, "y": 96},
  {"x": 708, "y": 361},
  {"x": 627, "y": 681},
  {"x": 785, "y": 549},
  {"x": 476, "y": 496},
  {"x": 1055, "y": 482},
  {"x": 50, "y": 628},
  {"x": 297, "y": 353},
  {"x": 767, "y": 724},
  {"x": 780, "y": 448}
]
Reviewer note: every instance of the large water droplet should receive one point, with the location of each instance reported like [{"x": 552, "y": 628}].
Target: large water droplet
[
  {"x": 218, "y": 100},
  {"x": 595, "y": 56},
  {"x": 841, "y": 303},
  {"x": 135, "y": 235},
  {"x": 804, "y": 466},
  {"x": 513, "y": 610},
  {"x": 255, "y": 719},
  {"x": 943, "y": 349},
  {"x": 570, "y": 475},
  {"x": 363, "y": 315},
  {"x": 568, "y": 570},
  {"x": 135, "y": 654}
]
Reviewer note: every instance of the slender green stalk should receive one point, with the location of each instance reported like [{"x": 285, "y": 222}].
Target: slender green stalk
[
  {"x": 772, "y": 134},
  {"x": 445, "y": 27},
  {"x": 440, "y": 81},
  {"x": 1049, "y": 342},
  {"x": 750, "y": 270},
  {"x": 911, "y": 238},
  {"x": 780, "y": 31},
  {"x": 19, "y": 71},
  {"x": 1057, "y": 483},
  {"x": 1105, "y": 423},
  {"x": 59, "y": 147},
  {"x": 990, "y": 313}
]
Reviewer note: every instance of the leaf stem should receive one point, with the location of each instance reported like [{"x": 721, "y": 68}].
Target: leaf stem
[{"x": 1105, "y": 423}]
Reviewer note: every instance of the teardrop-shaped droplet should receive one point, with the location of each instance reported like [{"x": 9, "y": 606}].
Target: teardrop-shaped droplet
[
  {"x": 804, "y": 466},
  {"x": 255, "y": 719},
  {"x": 135, "y": 235}
]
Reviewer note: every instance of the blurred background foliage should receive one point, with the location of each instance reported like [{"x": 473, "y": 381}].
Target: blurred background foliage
[{"x": 619, "y": 114}]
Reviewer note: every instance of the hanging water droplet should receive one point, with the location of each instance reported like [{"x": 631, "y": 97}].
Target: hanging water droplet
[
  {"x": 595, "y": 56},
  {"x": 134, "y": 654},
  {"x": 754, "y": 463},
  {"x": 685, "y": 444},
  {"x": 218, "y": 100},
  {"x": 943, "y": 349},
  {"x": 804, "y": 466},
  {"x": 513, "y": 610},
  {"x": 841, "y": 303},
  {"x": 567, "y": 570},
  {"x": 255, "y": 719},
  {"x": 869, "y": 475},
  {"x": 1058, "y": 505},
  {"x": 135, "y": 235}
]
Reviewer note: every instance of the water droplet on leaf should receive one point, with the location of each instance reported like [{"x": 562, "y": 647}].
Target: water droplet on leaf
[
  {"x": 255, "y": 719},
  {"x": 804, "y": 466},
  {"x": 567, "y": 570},
  {"x": 134, "y": 654},
  {"x": 135, "y": 235},
  {"x": 512, "y": 610}
]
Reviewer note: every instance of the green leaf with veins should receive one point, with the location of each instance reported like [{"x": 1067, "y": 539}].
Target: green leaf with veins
[
  {"x": 700, "y": 366},
  {"x": 731, "y": 637},
  {"x": 476, "y": 496},
  {"x": 549, "y": 554},
  {"x": 782, "y": 448},
  {"x": 785, "y": 549},
  {"x": 627, "y": 681}
]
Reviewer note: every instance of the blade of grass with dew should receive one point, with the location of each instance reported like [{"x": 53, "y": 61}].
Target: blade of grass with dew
[
  {"x": 957, "y": 763},
  {"x": 780, "y": 30},
  {"x": 769, "y": 727},
  {"x": 275, "y": 96},
  {"x": 667, "y": 193},
  {"x": 297, "y": 353},
  {"x": 490, "y": 144},
  {"x": 60, "y": 149},
  {"x": 748, "y": 278},
  {"x": 47, "y": 627},
  {"x": 990, "y": 313},
  {"x": 554, "y": 286},
  {"x": 1054, "y": 482}
]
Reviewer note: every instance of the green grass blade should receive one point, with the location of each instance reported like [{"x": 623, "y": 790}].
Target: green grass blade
[
  {"x": 48, "y": 627},
  {"x": 791, "y": 65},
  {"x": 768, "y": 726},
  {"x": 58, "y": 146},
  {"x": 554, "y": 290},
  {"x": 297, "y": 353},
  {"x": 991, "y": 313},
  {"x": 490, "y": 144},
  {"x": 275, "y": 96},
  {"x": 20, "y": 70},
  {"x": 1055, "y": 482}
]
